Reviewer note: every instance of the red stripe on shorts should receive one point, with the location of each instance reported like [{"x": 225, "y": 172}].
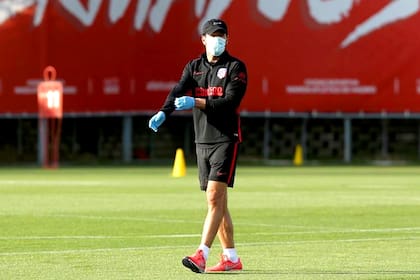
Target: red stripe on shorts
[{"x": 232, "y": 164}]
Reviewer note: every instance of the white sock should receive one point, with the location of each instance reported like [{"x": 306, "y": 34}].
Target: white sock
[
  {"x": 205, "y": 249},
  {"x": 231, "y": 254}
]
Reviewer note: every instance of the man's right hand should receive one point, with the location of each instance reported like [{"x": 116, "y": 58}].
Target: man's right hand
[{"x": 157, "y": 120}]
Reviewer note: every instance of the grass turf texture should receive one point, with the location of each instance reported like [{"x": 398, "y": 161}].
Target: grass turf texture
[{"x": 138, "y": 223}]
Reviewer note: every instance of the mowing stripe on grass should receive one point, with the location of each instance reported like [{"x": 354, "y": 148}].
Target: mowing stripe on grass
[
  {"x": 244, "y": 244},
  {"x": 153, "y": 220},
  {"x": 156, "y": 220},
  {"x": 319, "y": 229},
  {"x": 97, "y": 237}
]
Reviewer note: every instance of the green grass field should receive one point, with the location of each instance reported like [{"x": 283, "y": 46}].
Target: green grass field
[{"x": 138, "y": 223}]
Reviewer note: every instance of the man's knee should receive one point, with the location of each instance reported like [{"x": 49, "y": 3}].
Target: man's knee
[{"x": 216, "y": 192}]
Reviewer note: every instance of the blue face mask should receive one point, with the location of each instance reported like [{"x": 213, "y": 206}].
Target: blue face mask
[{"x": 215, "y": 45}]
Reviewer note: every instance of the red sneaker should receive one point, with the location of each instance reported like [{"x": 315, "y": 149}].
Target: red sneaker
[
  {"x": 195, "y": 262},
  {"x": 225, "y": 265}
]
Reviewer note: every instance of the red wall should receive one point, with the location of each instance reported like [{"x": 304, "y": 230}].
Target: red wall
[{"x": 110, "y": 60}]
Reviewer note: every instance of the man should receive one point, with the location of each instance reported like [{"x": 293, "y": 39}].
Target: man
[{"x": 216, "y": 82}]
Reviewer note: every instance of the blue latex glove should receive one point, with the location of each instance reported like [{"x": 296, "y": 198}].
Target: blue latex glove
[
  {"x": 157, "y": 120},
  {"x": 184, "y": 103}
]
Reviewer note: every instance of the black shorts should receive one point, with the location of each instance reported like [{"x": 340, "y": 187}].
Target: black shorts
[{"x": 217, "y": 162}]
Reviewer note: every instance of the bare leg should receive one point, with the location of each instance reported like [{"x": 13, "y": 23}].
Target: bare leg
[
  {"x": 225, "y": 232},
  {"x": 216, "y": 205},
  {"x": 229, "y": 259}
]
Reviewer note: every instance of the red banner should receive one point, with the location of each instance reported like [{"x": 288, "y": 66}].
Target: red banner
[{"x": 125, "y": 55}]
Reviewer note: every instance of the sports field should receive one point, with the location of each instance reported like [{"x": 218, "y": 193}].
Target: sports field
[{"x": 138, "y": 223}]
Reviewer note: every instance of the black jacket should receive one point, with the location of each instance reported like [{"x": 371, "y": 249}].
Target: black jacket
[{"x": 223, "y": 85}]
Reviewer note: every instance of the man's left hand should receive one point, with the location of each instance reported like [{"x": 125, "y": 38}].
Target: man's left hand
[{"x": 184, "y": 103}]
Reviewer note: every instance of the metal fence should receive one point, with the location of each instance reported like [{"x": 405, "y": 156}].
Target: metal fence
[{"x": 268, "y": 137}]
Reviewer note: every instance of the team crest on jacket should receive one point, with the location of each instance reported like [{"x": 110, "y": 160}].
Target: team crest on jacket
[{"x": 221, "y": 73}]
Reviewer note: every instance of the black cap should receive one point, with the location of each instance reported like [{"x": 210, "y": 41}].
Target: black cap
[{"x": 214, "y": 25}]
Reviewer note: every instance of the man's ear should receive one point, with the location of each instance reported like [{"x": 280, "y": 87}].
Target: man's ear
[{"x": 203, "y": 39}]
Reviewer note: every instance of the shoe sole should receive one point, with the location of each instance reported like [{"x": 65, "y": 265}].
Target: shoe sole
[
  {"x": 189, "y": 264},
  {"x": 226, "y": 269},
  {"x": 223, "y": 271}
]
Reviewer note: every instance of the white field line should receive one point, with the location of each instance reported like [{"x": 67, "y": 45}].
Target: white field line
[
  {"x": 52, "y": 183},
  {"x": 314, "y": 229},
  {"x": 351, "y": 240},
  {"x": 249, "y": 244},
  {"x": 173, "y": 236},
  {"x": 372, "y": 230},
  {"x": 310, "y": 230}
]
